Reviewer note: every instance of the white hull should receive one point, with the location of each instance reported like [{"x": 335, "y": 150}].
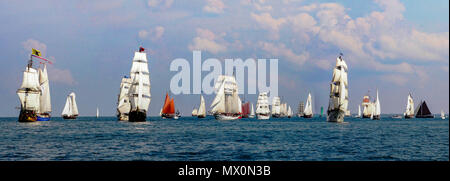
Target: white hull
[
  {"x": 260, "y": 116},
  {"x": 336, "y": 116},
  {"x": 225, "y": 117}
]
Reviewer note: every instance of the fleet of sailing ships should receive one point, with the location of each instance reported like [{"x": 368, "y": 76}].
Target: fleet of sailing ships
[{"x": 134, "y": 98}]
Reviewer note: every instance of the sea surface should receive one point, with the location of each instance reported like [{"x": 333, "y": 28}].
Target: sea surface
[{"x": 192, "y": 139}]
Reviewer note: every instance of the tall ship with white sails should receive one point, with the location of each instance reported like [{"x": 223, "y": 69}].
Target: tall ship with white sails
[
  {"x": 123, "y": 101},
  {"x": 377, "y": 109},
  {"x": 139, "y": 93},
  {"x": 368, "y": 107},
  {"x": 409, "y": 112},
  {"x": 338, "y": 102},
  {"x": 70, "y": 110},
  {"x": 29, "y": 94},
  {"x": 262, "y": 106},
  {"x": 276, "y": 107},
  {"x": 308, "y": 112},
  {"x": 45, "y": 105},
  {"x": 226, "y": 105}
]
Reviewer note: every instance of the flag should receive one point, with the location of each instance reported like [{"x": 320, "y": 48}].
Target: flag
[{"x": 36, "y": 52}]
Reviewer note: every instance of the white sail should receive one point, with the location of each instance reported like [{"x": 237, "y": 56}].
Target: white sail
[
  {"x": 252, "y": 111},
  {"x": 45, "y": 102},
  {"x": 67, "y": 107},
  {"x": 97, "y": 114},
  {"x": 308, "y": 106},
  {"x": 123, "y": 105},
  {"x": 139, "y": 92},
  {"x": 74, "y": 104},
  {"x": 442, "y": 114},
  {"x": 338, "y": 103},
  {"x": 377, "y": 109},
  {"x": 227, "y": 99},
  {"x": 289, "y": 111},
  {"x": 359, "y": 110},
  {"x": 30, "y": 91},
  {"x": 262, "y": 105},
  {"x": 276, "y": 105},
  {"x": 410, "y": 106},
  {"x": 218, "y": 104},
  {"x": 194, "y": 112},
  {"x": 202, "y": 107}
]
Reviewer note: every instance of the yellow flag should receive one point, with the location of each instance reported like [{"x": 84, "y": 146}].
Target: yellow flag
[{"x": 36, "y": 52}]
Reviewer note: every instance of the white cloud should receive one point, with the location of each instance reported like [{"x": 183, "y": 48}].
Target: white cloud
[
  {"x": 214, "y": 6},
  {"x": 152, "y": 34},
  {"x": 282, "y": 50},
  {"x": 206, "y": 40},
  {"x": 157, "y": 3},
  {"x": 266, "y": 21},
  {"x": 32, "y": 43}
]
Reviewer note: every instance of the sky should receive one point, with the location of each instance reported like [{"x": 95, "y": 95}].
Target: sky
[{"x": 397, "y": 47}]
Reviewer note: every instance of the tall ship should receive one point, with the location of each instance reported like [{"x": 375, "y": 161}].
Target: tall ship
[
  {"x": 338, "y": 92},
  {"x": 201, "y": 112},
  {"x": 262, "y": 106},
  {"x": 283, "y": 110},
  {"x": 377, "y": 109},
  {"x": 139, "y": 93},
  {"x": 123, "y": 100},
  {"x": 368, "y": 107},
  {"x": 45, "y": 105},
  {"x": 276, "y": 107},
  {"x": 252, "y": 112},
  {"x": 70, "y": 110},
  {"x": 308, "y": 112},
  {"x": 301, "y": 108},
  {"x": 168, "y": 109},
  {"x": 409, "y": 112},
  {"x": 245, "y": 110},
  {"x": 227, "y": 104},
  {"x": 422, "y": 111},
  {"x": 29, "y": 94}
]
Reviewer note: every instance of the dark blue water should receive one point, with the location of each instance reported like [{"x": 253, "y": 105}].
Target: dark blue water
[{"x": 298, "y": 139}]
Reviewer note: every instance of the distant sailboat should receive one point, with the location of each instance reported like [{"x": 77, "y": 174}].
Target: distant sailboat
[
  {"x": 377, "y": 109},
  {"x": 301, "y": 108},
  {"x": 202, "y": 108},
  {"x": 368, "y": 107},
  {"x": 423, "y": 112},
  {"x": 70, "y": 110},
  {"x": 97, "y": 114},
  {"x": 45, "y": 104},
  {"x": 409, "y": 112},
  {"x": 194, "y": 112},
  {"x": 227, "y": 104},
  {"x": 359, "y": 112},
  {"x": 442, "y": 114},
  {"x": 276, "y": 107},
  {"x": 289, "y": 115},
  {"x": 308, "y": 113},
  {"x": 29, "y": 94},
  {"x": 139, "y": 92},
  {"x": 262, "y": 106},
  {"x": 168, "y": 109},
  {"x": 252, "y": 112},
  {"x": 283, "y": 110},
  {"x": 123, "y": 99},
  {"x": 338, "y": 92},
  {"x": 245, "y": 110}
]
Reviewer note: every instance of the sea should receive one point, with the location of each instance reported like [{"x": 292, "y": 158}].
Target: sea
[{"x": 192, "y": 139}]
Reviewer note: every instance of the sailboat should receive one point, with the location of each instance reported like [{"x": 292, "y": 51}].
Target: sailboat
[
  {"x": 338, "y": 92},
  {"x": 29, "y": 94},
  {"x": 97, "y": 114},
  {"x": 289, "y": 115},
  {"x": 139, "y": 92},
  {"x": 202, "y": 108},
  {"x": 252, "y": 112},
  {"x": 359, "y": 112},
  {"x": 442, "y": 114},
  {"x": 123, "y": 99},
  {"x": 245, "y": 110},
  {"x": 301, "y": 108},
  {"x": 194, "y": 112},
  {"x": 376, "y": 110},
  {"x": 409, "y": 112},
  {"x": 168, "y": 109},
  {"x": 367, "y": 107},
  {"x": 423, "y": 112},
  {"x": 44, "y": 100},
  {"x": 70, "y": 110},
  {"x": 227, "y": 104},
  {"x": 308, "y": 113},
  {"x": 262, "y": 106},
  {"x": 276, "y": 107},
  {"x": 283, "y": 110}
]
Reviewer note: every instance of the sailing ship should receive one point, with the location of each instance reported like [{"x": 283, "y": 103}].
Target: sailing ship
[
  {"x": 123, "y": 99},
  {"x": 262, "y": 106},
  {"x": 201, "y": 112},
  {"x": 252, "y": 112},
  {"x": 301, "y": 108},
  {"x": 290, "y": 113},
  {"x": 409, "y": 112},
  {"x": 338, "y": 92},
  {"x": 359, "y": 112},
  {"x": 422, "y": 111},
  {"x": 29, "y": 94},
  {"x": 283, "y": 110},
  {"x": 276, "y": 107},
  {"x": 168, "y": 109},
  {"x": 377, "y": 109},
  {"x": 227, "y": 104},
  {"x": 245, "y": 110},
  {"x": 139, "y": 93},
  {"x": 308, "y": 112},
  {"x": 442, "y": 114},
  {"x": 368, "y": 107},
  {"x": 194, "y": 112},
  {"x": 70, "y": 110},
  {"x": 45, "y": 107}
]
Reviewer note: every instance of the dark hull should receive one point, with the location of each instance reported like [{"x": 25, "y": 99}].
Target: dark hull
[
  {"x": 336, "y": 116},
  {"x": 137, "y": 116},
  {"x": 424, "y": 116},
  {"x": 307, "y": 116},
  {"x": 365, "y": 116},
  {"x": 27, "y": 116},
  {"x": 408, "y": 117},
  {"x": 201, "y": 116},
  {"x": 168, "y": 116},
  {"x": 376, "y": 117},
  {"x": 70, "y": 117},
  {"x": 276, "y": 115}
]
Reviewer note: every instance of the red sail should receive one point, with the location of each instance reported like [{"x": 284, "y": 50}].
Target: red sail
[
  {"x": 169, "y": 107},
  {"x": 245, "y": 109}
]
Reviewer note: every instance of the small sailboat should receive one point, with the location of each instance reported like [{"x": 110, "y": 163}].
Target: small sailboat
[
  {"x": 308, "y": 113},
  {"x": 409, "y": 112},
  {"x": 276, "y": 107},
  {"x": 423, "y": 112},
  {"x": 139, "y": 93},
  {"x": 396, "y": 116},
  {"x": 227, "y": 104},
  {"x": 289, "y": 115},
  {"x": 338, "y": 92},
  {"x": 97, "y": 114},
  {"x": 123, "y": 99},
  {"x": 442, "y": 114},
  {"x": 252, "y": 112},
  {"x": 168, "y": 109},
  {"x": 377, "y": 110},
  {"x": 201, "y": 113},
  {"x": 70, "y": 110},
  {"x": 359, "y": 111},
  {"x": 194, "y": 112},
  {"x": 301, "y": 108},
  {"x": 177, "y": 114},
  {"x": 262, "y": 106}
]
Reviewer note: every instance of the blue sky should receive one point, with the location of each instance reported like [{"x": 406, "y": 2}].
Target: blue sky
[{"x": 395, "y": 46}]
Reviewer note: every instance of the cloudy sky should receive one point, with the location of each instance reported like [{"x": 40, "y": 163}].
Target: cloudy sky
[{"x": 395, "y": 46}]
